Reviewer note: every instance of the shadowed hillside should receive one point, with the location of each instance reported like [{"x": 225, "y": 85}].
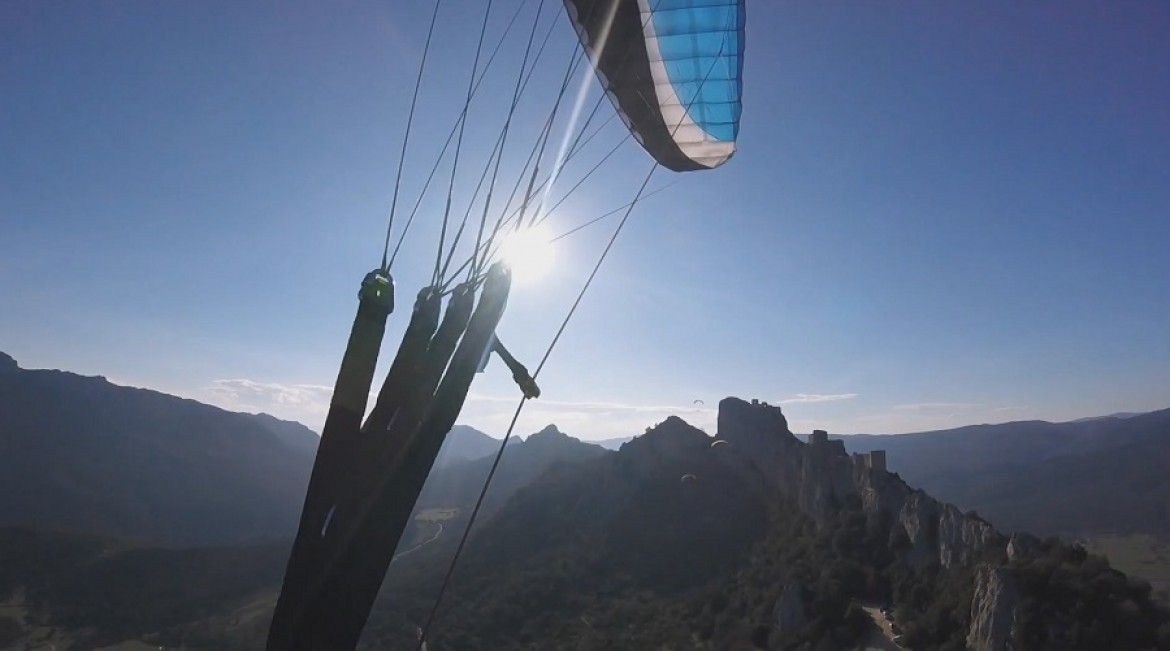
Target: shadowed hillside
[
  {"x": 106, "y": 590},
  {"x": 81, "y": 453},
  {"x": 459, "y": 485}
]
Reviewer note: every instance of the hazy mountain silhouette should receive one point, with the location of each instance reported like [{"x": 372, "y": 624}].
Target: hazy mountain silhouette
[
  {"x": 465, "y": 443},
  {"x": 613, "y": 443},
  {"x": 1105, "y": 474},
  {"x": 81, "y": 453},
  {"x": 459, "y": 485},
  {"x": 291, "y": 433}
]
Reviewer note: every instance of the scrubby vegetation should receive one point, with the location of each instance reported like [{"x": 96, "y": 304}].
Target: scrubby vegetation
[
  {"x": 1074, "y": 600},
  {"x": 118, "y": 592}
]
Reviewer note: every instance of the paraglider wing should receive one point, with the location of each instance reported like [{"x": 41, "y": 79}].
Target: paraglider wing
[{"x": 673, "y": 69}]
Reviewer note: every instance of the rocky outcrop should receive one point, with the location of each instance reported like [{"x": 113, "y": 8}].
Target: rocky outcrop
[
  {"x": 758, "y": 436},
  {"x": 823, "y": 477},
  {"x": 992, "y": 610},
  {"x": 962, "y": 538},
  {"x": 789, "y": 614},
  {"x": 1022, "y": 545}
]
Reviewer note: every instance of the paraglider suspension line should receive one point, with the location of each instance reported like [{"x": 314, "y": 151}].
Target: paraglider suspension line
[
  {"x": 406, "y": 136},
  {"x": 451, "y": 136},
  {"x": 520, "y": 407},
  {"x": 459, "y": 142},
  {"x": 543, "y": 360},
  {"x": 498, "y": 151}
]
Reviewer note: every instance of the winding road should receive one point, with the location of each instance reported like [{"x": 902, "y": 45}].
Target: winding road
[
  {"x": 420, "y": 545},
  {"x": 883, "y": 638}
]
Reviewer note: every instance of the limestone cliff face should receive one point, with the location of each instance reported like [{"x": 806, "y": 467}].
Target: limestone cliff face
[
  {"x": 822, "y": 476},
  {"x": 1022, "y": 545},
  {"x": 759, "y": 438},
  {"x": 789, "y": 613},
  {"x": 992, "y": 610}
]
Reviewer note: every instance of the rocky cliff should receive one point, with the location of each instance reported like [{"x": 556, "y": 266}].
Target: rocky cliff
[
  {"x": 993, "y": 609},
  {"x": 822, "y": 476}
]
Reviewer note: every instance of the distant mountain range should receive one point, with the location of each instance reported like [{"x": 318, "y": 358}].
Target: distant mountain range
[
  {"x": 750, "y": 539},
  {"x": 466, "y": 443},
  {"x": 459, "y": 485},
  {"x": 292, "y": 434},
  {"x": 80, "y": 453},
  {"x": 83, "y": 454},
  {"x": 1089, "y": 476},
  {"x": 614, "y": 443}
]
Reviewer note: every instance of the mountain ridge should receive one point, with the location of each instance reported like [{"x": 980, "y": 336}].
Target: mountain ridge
[
  {"x": 81, "y": 453},
  {"x": 699, "y": 568},
  {"x": 458, "y": 485}
]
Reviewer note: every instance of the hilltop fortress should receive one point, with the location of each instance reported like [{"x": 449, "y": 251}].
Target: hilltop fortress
[
  {"x": 875, "y": 460},
  {"x": 822, "y": 477}
]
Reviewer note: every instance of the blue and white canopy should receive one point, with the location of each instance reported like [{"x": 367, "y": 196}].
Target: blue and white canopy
[{"x": 673, "y": 69}]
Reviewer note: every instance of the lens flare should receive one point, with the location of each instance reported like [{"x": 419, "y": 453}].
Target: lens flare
[{"x": 529, "y": 253}]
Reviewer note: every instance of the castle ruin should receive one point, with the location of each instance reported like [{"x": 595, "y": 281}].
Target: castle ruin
[{"x": 875, "y": 460}]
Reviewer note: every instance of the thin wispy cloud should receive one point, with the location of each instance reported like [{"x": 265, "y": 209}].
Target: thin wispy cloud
[
  {"x": 807, "y": 398},
  {"x": 309, "y": 404},
  {"x": 595, "y": 406},
  {"x": 306, "y": 403},
  {"x": 936, "y": 406},
  {"x": 287, "y": 394}
]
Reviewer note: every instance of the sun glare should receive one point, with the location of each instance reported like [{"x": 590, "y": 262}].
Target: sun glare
[{"x": 529, "y": 253}]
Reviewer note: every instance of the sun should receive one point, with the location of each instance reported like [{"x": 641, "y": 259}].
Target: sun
[{"x": 529, "y": 253}]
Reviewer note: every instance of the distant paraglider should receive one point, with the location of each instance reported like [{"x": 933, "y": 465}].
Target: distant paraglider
[
  {"x": 718, "y": 442},
  {"x": 699, "y": 402},
  {"x": 688, "y": 478}
]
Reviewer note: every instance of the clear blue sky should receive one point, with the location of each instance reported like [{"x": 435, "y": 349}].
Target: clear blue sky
[{"x": 940, "y": 214}]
